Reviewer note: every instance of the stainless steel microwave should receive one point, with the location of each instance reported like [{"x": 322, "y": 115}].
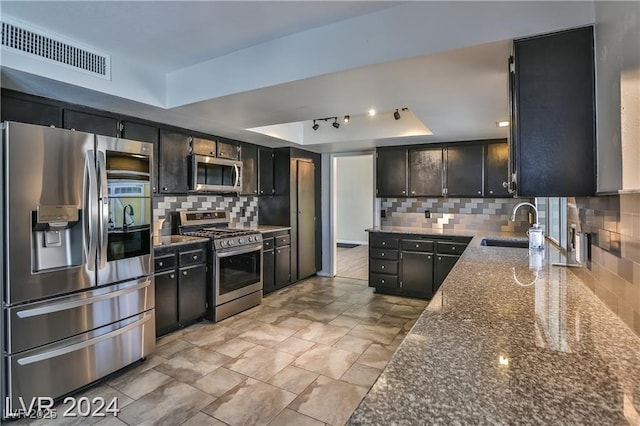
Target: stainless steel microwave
[{"x": 212, "y": 174}]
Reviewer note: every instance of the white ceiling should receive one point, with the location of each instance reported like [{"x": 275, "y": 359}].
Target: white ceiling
[{"x": 224, "y": 67}]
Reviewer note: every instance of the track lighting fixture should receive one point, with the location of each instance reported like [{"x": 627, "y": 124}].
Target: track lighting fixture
[
  {"x": 335, "y": 123},
  {"x": 315, "y": 125},
  {"x": 346, "y": 119},
  {"x": 396, "y": 115}
]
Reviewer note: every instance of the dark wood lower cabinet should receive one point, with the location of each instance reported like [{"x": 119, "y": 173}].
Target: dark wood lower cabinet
[
  {"x": 166, "y": 306},
  {"x": 268, "y": 271},
  {"x": 192, "y": 293},
  {"x": 276, "y": 260},
  {"x": 282, "y": 266},
  {"x": 408, "y": 265}
]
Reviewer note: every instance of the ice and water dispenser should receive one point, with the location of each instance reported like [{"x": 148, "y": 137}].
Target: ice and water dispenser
[{"x": 56, "y": 238}]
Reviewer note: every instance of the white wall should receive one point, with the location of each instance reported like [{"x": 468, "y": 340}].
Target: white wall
[
  {"x": 617, "y": 34},
  {"x": 354, "y": 200}
]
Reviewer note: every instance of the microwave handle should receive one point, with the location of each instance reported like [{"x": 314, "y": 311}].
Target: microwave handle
[{"x": 235, "y": 166}]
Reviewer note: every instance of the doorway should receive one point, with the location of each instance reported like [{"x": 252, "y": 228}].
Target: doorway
[{"x": 353, "y": 213}]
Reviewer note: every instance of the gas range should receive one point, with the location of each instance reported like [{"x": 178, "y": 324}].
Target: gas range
[{"x": 224, "y": 238}]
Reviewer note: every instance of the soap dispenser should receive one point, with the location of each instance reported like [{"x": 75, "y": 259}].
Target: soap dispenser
[{"x": 536, "y": 237}]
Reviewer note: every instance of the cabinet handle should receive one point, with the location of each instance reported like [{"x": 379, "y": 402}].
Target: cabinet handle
[
  {"x": 172, "y": 276},
  {"x": 184, "y": 272},
  {"x": 165, "y": 189},
  {"x": 255, "y": 191},
  {"x": 195, "y": 257},
  {"x": 262, "y": 192},
  {"x": 382, "y": 254},
  {"x": 382, "y": 267},
  {"x": 382, "y": 281},
  {"x": 384, "y": 243},
  {"x": 160, "y": 263},
  {"x": 413, "y": 192},
  {"x": 429, "y": 257},
  {"x": 479, "y": 192},
  {"x": 403, "y": 192},
  {"x": 417, "y": 245},
  {"x": 491, "y": 192},
  {"x": 453, "y": 248}
]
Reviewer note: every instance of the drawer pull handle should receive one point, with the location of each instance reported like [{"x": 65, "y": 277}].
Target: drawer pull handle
[
  {"x": 172, "y": 276},
  {"x": 160, "y": 263},
  {"x": 453, "y": 248},
  {"x": 382, "y": 254},
  {"x": 384, "y": 243},
  {"x": 417, "y": 245},
  {"x": 382, "y": 267},
  {"x": 184, "y": 272},
  {"x": 429, "y": 257},
  {"x": 195, "y": 257},
  {"x": 382, "y": 281}
]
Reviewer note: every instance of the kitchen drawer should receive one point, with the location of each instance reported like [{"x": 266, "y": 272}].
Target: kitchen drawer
[
  {"x": 381, "y": 280},
  {"x": 445, "y": 247},
  {"x": 267, "y": 243},
  {"x": 283, "y": 240},
  {"x": 384, "y": 254},
  {"x": 383, "y": 266},
  {"x": 191, "y": 257},
  {"x": 384, "y": 241},
  {"x": 417, "y": 245},
  {"x": 162, "y": 263}
]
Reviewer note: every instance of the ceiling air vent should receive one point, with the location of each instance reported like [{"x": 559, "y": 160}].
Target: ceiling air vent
[{"x": 36, "y": 43}]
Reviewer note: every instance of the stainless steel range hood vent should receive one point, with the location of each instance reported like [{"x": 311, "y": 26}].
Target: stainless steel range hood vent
[{"x": 19, "y": 38}]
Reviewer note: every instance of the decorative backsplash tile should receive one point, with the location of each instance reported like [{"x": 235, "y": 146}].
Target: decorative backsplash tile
[
  {"x": 164, "y": 206},
  {"x": 613, "y": 273},
  {"x": 487, "y": 214}
]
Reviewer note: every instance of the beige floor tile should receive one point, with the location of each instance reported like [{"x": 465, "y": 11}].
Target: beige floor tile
[
  {"x": 353, "y": 344},
  {"x": 376, "y": 356},
  {"x": 168, "y": 349},
  {"x": 393, "y": 321},
  {"x": 252, "y": 403},
  {"x": 322, "y": 333},
  {"x": 361, "y": 375},
  {"x": 219, "y": 381},
  {"x": 293, "y": 379},
  {"x": 192, "y": 364},
  {"x": 345, "y": 321},
  {"x": 235, "y": 347},
  {"x": 378, "y": 333},
  {"x": 211, "y": 335},
  {"x": 406, "y": 311},
  {"x": 317, "y": 314},
  {"x": 267, "y": 335},
  {"x": 330, "y": 401},
  {"x": 293, "y": 323},
  {"x": 201, "y": 419},
  {"x": 261, "y": 362},
  {"x": 171, "y": 404},
  {"x": 271, "y": 315},
  {"x": 110, "y": 421},
  {"x": 294, "y": 346},
  {"x": 239, "y": 323},
  {"x": 326, "y": 360},
  {"x": 365, "y": 312},
  {"x": 289, "y": 417},
  {"x": 141, "y": 384}
]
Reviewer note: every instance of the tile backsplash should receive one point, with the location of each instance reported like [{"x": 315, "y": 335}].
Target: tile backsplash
[
  {"x": 487, "y": 214},
  {"x": 164, "y": 206},
  {"x": 613, "y": 273}
]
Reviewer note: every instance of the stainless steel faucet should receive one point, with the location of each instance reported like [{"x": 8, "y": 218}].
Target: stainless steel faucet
[{"x": 515, "y": 209}]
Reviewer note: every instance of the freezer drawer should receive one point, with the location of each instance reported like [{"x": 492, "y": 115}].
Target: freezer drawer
[
  {"x": 39, "y": 323},
  {"x": 62, "y": 367}
]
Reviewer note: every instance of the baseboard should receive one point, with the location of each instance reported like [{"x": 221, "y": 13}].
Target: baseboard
[
  {"x": 360, "y": 243},
  {"x": 324, "y": 274}
]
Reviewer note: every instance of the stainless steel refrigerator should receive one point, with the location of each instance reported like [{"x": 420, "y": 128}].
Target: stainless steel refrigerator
[{"x": 77, "y": 259}]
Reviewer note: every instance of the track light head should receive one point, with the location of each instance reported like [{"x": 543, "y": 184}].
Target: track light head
[
  {"x": 346, "y": 119},
  {"x": 315, "y": 125},
  {"x": 335, "y": 123},
  {"x": 396, "y": 115}
]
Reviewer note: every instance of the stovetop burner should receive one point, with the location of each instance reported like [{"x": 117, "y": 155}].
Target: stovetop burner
[{"x": 199, "y": 224}]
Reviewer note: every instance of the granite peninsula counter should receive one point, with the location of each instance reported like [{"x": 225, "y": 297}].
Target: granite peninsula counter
[{"x": 503, "y": 343}]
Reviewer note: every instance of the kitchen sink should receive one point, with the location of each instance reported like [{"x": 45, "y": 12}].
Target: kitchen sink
[{"x": 496, "y": 242}]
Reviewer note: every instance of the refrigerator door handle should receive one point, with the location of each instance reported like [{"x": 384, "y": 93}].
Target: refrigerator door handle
[
  {"x": 103, "y": 196},
  {"x": 90, "y": 205},
  {"x": 146, "y": 317}
]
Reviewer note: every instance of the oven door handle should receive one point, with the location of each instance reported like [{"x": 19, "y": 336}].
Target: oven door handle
[{"x": 243, "y": 250}]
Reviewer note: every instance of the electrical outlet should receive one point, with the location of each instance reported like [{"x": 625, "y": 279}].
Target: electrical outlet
[
  {"x": 427, "y": 214},
  {"x": 383, "y": 213}
]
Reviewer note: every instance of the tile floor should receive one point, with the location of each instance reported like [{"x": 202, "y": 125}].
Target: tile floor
[
  {"x": 353, "y": 262},
  {"x": 306, "y": 356}
]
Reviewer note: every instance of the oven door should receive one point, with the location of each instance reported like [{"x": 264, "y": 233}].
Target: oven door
[{"x": 238, "y": 272}]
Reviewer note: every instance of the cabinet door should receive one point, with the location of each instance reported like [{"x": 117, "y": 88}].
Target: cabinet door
[
  {"x": 91, "y": 123},
  {"x": 496, "y": 169},
  {"x": 228, "y": 149},
  {"x": 555, "y": 114},
  {"x": 166, "y": 302},
  {"x": 464, "y": 171},
  {"x": 391, "y": 172},
  {"x": 249, "y": 154},
  {"x": 283, "y": 266},
  {"x": 425, "y": 172},
  {"x": 444, "y": 264},
  {"x": 265, "y": 172},
  {"x": 268, "y": 271},
  {"x": 172, "y": 162},
  {"x": 28, "y": 111},
  {"x": 145, "y": 133},
  {"x": 417, "y": 273},
  {"x": 192, "y": 293}
]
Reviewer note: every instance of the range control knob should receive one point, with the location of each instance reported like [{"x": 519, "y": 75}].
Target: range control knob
[{"x": 239, "y": 240}]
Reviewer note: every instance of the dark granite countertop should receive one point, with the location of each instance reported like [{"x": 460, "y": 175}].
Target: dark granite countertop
[
  {"x": 262, "y": 228},
  {"x": 505, "y": 343},
  {"x": 174, "y": 240}
]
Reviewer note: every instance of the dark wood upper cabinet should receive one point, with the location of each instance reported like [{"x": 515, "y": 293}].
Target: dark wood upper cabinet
[
  {"x": 145, "y": 133},
  {"x": 425, "y": 172},
  {"x": 553, "y": 118},
  {"x": 496, "y": 169},
  {"x": 172, "y": 162},
  {"x": 91, "y": 123},
  {"x": 249, "y": 155},
  {"x": 266, "y": 183},
  {"x": 391, "y": 172},
  {"x": 203, "y": 146},
  {"x": 464, "y": 171},
  {"x": 29, "y": 111},
  {"x": 228, "y": 149}
]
